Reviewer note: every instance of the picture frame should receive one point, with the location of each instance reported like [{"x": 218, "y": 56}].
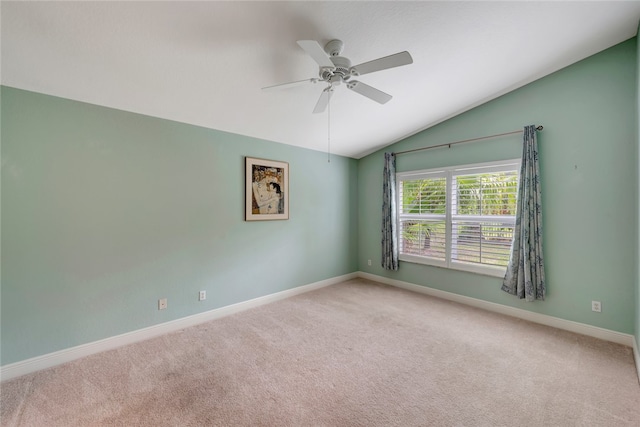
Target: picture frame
[{"x": 266, "y": 190}]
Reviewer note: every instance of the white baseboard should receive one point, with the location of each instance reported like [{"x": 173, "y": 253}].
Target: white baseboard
[
  {"x": 49, "y": 360},
  {"x": 556, "y": 322}
]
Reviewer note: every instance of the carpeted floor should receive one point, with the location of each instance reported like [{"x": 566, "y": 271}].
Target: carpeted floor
[{"x": 353, "y": 354}]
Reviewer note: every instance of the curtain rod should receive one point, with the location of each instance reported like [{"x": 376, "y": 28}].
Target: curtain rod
[{"x": 449, "y": 144}]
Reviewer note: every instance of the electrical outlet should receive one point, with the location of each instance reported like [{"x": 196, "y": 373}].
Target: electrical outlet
[
  {"x": 369, "y": 262},
  {"x": 202, "y": 296},
  {"x": 596, "y": 306},
  {"x": 162, "y": 304}
]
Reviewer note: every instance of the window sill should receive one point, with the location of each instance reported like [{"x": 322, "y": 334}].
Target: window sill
[{"x": 483, "y": 270}]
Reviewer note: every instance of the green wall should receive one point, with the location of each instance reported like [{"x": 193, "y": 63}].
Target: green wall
[
  {"x": 588, "y": 164},
  {"x": 638, "y": 189},
  {"x": 104, "y": 212}
]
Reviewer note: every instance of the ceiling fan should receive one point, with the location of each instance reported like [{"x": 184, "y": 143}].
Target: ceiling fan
[{"x": 335, "y": 70}]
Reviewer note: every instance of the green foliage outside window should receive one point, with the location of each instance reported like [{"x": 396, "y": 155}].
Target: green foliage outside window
[
  {"x": 422, "y": 196},
  {"x": 487, "y": 194}
]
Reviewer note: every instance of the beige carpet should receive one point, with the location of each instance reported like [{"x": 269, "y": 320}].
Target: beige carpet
[{"x": 353, "y": 354}]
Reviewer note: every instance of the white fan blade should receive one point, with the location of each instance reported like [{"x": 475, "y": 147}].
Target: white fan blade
[
  {"x": 316, "y": 52},
  {"x": 291, "y": 84},
  {"x": 391, "y": 61},
  {"x": 370, "y": 92},
  {"x": 323, "y": 101}
]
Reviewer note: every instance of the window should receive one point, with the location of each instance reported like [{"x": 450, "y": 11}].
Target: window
[{"x": 459, "y": 217}]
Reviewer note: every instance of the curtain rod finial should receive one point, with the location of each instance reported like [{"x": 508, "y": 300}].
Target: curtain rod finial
[{"x": 540, "y": 127}]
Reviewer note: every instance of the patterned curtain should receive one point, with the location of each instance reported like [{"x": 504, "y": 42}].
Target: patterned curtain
[
  {"x": 389, "y": 214},
  {"x": 525, "y": 272}
]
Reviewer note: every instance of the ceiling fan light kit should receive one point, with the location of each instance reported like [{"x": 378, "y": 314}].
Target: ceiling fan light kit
[{"x": 335, "y": 70}]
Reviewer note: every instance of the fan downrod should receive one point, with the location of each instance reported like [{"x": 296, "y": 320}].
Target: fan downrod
[{"x": 334, "y": 47}]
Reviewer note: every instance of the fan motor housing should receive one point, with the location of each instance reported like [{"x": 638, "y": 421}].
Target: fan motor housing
[{"x": 342, "y": 69}]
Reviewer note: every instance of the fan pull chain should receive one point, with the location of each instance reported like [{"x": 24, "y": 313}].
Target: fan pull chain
[{"x": 329, "y": 125}]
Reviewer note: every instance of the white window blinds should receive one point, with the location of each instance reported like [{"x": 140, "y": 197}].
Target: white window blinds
[{"x": 459, "y": 217}]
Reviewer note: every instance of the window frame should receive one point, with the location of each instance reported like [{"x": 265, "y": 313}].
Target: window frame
[{"x": 449, "y": 173}]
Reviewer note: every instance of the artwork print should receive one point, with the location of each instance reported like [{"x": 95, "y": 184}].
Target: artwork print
[{"x": 267, "y": 189}]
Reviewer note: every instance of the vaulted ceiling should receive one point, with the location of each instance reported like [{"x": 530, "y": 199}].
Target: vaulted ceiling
[{"x": 204, "y": 63}]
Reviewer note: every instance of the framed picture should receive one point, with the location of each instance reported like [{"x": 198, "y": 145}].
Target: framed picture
[{"x": 266, "y": 189}]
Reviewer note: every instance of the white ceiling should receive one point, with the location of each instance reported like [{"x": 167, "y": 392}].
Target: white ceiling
[{"x": 204, "y": 63}]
